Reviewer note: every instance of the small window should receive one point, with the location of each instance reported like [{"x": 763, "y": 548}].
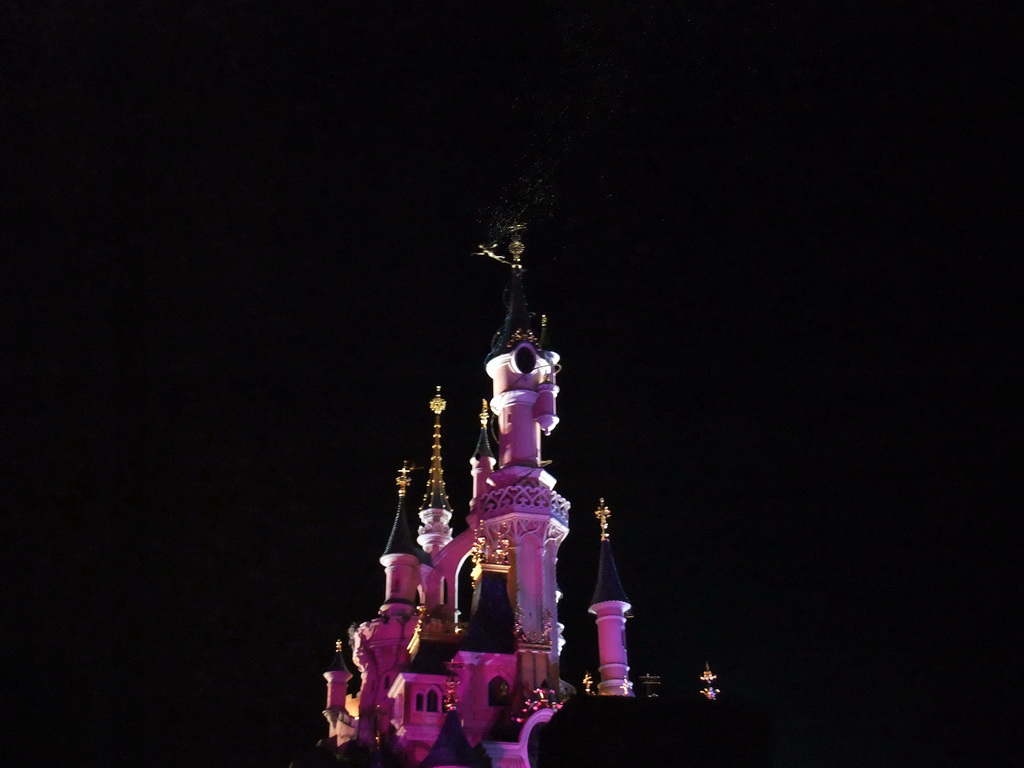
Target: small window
[
  {"x": 387, "y": 682},
  {"x": 433, "y": 702},
  {"x": 419, "y": 702},
  {"x": 523, "y": 359},
  {"x": 497, "y": 692}
]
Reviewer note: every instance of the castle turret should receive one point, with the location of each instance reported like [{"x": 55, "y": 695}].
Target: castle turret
[
  {"x": 338, "y": 717},
  {"x": 520, "y": 515},
  {"x": 610, "y": 605},
  {"x": 401, "y": 559},
  {"x": 482, "y": 461},
  {"x": 436, "y": 511}
]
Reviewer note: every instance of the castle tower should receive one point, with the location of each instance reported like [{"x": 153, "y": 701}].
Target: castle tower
[
  {"x": 520, "y": 515},
  {"x": 481, "y": 463},
  {"x": 436, "y": 512},
  {"x": 339, "y": 719},
  {"x": 401, "y": 559},
  {"x": 610, "y": 605}
]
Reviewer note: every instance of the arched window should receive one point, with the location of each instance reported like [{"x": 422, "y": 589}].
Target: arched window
[
  {"x": 419, "y": 702},
  {"x": 433, "y": 702},
  {"x": 387, "y": 682},
  {"x": 497, "y": 692}
]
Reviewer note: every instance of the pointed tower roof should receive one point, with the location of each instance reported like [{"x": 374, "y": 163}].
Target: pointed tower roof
[
  {"x": 516, "y": 325},
  {"x": 436, "y": 496},
  {"x": 400, "y": 542},
  {"x": 492, "y": 625},
  {"x": 609, "y": 586},
  {"x": 483, "y": 443},
  {"x": 452, "y": 747}
]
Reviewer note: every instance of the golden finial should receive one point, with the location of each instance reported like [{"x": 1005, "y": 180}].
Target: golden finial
[
  {"x": 625, "y": 687},
  {"x": 602, "y": 514},
  {"x": 485, "y": 413},
  {"x": 516, "y": 247},
  {"x": 338, "y": 646},
  {"x": 588, "y": 681},
  {"x": 436, "y": 495},
  {"x": 438, "y": 403},
  {"x": 709, "y": 691},
  {"x": 402, "y": 481}
]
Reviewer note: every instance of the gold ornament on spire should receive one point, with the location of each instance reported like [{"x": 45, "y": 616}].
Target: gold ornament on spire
[
  {"x": 602, "y": 514},
  {"x": 436, "y": 496},
  {"x": 402, "y": 481},
  {"x": 588, "y": 682},
  {"x": 485, "y": 413},
  {"x": 516, "y": 248},
  {"x": 437, "y": 404},
  {"x": 338, "y": 646},
  {"x": 708, "y": 677}
]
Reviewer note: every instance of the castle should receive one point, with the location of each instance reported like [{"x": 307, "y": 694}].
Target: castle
[{"x": 449, "y": 685}]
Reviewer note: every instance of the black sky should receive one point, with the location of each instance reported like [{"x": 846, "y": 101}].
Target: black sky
[{"x": 774, "y": 242}]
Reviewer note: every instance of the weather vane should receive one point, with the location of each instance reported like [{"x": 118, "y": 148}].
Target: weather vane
[
  {"x": 708, "y": 677},
  {"x": 516, "y": 248},
  {"x": 403, "y": 481},
  {"x": 602, "y": 514}
]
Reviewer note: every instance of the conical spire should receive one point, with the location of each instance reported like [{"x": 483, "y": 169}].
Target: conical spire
[
  {"x": 436, "y": 496},
  {"x": 516, "y": 325},
  {"x": 609, "y": 586},
  {"x": 483, "y": 444},
  {"x": 400, "y": 542},
  {"x": 452, "y": 747}
]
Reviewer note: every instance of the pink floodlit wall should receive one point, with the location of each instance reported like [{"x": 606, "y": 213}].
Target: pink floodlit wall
[{"x": 611, "y": 640}]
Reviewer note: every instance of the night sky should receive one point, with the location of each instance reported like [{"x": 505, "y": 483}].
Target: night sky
[{"x": 776, "y": 244}]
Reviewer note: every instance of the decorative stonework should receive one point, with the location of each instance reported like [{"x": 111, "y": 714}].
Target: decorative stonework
[
  {"x": 540, "y": 637},
  {"x": 525, "y": 496}
]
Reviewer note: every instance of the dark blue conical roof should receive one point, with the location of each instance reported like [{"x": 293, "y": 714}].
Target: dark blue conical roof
[
  {"x": 483, "y": 445},
  {"x": 492, "y": 625},
  {"x": 400, "y": 542},
  {"x": 452, "y": 747},
  {"x": 517, "y": 316},
  {"x": 609, "y": 587}
]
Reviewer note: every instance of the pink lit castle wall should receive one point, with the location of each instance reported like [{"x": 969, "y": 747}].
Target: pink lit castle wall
[{"x": 446, "y": 685}]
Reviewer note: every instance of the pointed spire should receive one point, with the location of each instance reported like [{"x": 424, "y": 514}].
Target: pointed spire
[
  {"x": 516, "y": 325},
  {"x": 483, "y": 444},
  {"x": 609, "y": 586},
  {"x": 492, "y": 625},
  {"x": 400, "y": 542},
  {"x": 452, "y": 747},
  {"x": 436, "y": 496}
]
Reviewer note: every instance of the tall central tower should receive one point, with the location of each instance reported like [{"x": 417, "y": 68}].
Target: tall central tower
[{"x": 521, "y": 515}]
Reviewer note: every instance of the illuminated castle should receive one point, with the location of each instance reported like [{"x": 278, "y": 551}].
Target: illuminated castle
[
  {"x": 437, "y": 678},
  {"x": 477, "y": 685}
]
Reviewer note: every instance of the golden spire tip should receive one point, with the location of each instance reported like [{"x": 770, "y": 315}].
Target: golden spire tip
[
  {"x": 437, "y": 404},
  {"x": 602, "y": 514},
  {"x": 402, "y": 481}
]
